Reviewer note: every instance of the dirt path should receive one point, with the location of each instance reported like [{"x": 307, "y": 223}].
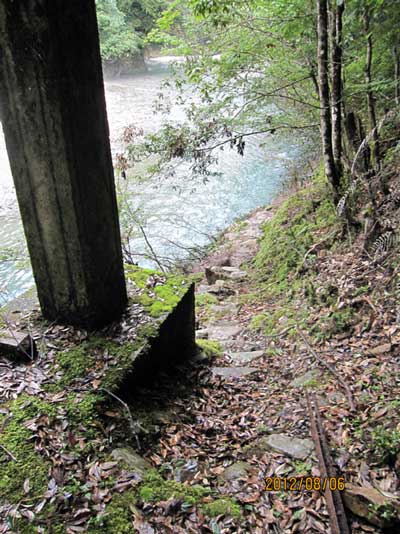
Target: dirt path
[
  {"x": 247, "y": 418},
  {"x": 245, "y": 424}
]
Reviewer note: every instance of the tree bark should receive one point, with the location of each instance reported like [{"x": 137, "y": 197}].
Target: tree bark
[
  {"x": 324, "y": 98},
  {"x": 337, "y": 93},
  {"x": 368, "y": 81},
  {"x": 396, "y": 58},
  {"x": 53, "y": 111}
]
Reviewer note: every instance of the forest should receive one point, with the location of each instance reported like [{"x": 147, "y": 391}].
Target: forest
[{"x": 252, "y": 386}]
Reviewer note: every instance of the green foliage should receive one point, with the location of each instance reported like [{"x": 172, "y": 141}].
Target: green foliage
[
  {"x": 117, "y": 39},
  {"x": 386, "y": 512},
  {"x": 385, "y": 444}
]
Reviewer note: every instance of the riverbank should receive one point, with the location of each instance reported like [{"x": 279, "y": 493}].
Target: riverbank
[{"x": 287, "y": 307}]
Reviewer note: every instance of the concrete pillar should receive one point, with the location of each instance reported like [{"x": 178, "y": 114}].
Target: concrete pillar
[{"x": 53, "y": 112}]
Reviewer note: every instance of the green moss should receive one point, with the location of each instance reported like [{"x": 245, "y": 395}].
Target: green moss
[
  {"x": 138, "y": 275},
  {"x": 287, "y": 316},
  {"x": 83, "y": 412},
  {"x": 225, "y": 506},
  {"x": 78, "y": 361},
  {"x": 75, "y": 363},
  {"x": 210, "y": 348},
  {"x": 159, "y": 299},
  {"x": 290, "y": 234},
  {"x": 205, "y": 300},
  {"x": 16, "y": 438},
  {"x": 336, "y": 322},
  {"x": 117, "y": 517},
  {"x": 154, "y": 488}
]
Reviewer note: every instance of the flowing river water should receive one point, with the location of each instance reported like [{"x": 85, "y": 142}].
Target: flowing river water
[{"x": 177, "y": 214}]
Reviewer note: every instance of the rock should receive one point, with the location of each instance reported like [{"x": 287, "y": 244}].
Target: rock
[
  {"x": 132, "y": 459},
  {"x": 294, "y": 447},
  {"x": 202, "y": 334},
  {"x": 237, "y": 470},
  {"x": 224, "y": 273},
  {"x": 297, "y": 448},
  {"x": 240, "y": 358},
  {"x": 378, "y": 509},
  {"x": 232, "y": 372},
  {"x": 302, "y": 380},
  {"x": 223, "y": 330},
  {"x": 220, "y": 289},
  {"x": 381, "y": 349}
]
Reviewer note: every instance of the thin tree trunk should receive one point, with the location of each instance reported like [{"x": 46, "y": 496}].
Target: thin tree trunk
[
  {"x": 324, "y": 98},
  {"x": 337, "y": 54},
  {"x": 396, "y": 57},
  {"x": 370, "y": 94}
]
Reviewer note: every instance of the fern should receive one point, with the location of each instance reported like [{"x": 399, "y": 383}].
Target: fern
[{"x": 383, "y": 244}]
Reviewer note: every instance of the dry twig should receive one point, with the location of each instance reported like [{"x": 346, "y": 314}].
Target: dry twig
[{"x": 331, "y": 369}]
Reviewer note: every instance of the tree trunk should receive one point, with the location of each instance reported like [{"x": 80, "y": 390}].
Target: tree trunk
[
  {"x": 55, "y": 124},
  {"x": 396, "y": 58},
  {"x": 324, "y": 98},
  {"x": 370, "y": 94},
  {"x": 337, "y": 55}
]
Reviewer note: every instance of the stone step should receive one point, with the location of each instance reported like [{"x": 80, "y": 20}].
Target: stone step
[
  {"x": 240, "y": 358},
  {"x": 225, "y": 308},
  {"x": 291, "y": 446},
  {"x": 224, "y": 273},
  {"x": 232, "y": 372},
  {"x": 223, "y": 330}
]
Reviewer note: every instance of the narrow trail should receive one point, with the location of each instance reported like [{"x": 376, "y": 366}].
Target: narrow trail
[{"x": 247, "y": 419}]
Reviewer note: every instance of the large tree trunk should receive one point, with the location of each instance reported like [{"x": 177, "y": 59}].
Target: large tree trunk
[
  {"x": 324, "y": 98},
  {"x": 337, "y": 92},
  {"x": 54, "y": 118},
  {"x": 370, "y": 94}
]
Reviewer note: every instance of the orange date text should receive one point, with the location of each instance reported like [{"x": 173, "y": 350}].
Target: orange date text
[{"x": 304, "y": 483}]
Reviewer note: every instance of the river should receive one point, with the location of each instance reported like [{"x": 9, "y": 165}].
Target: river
[{"x": 177, "y": 215}]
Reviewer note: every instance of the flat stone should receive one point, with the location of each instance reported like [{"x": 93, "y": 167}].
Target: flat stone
[
  {"x": 240, "y": 358},
  {"x": 225, "y": 309},
  {"x": 232, "y": 372},
  {"x": 223, "y": 330},
  {"x": 302, "y": 380},
  {"x": 236, "y": 471},
  {"x": 293, "y": 447},
  {"x": 202, "y": 334},
  {"x": 222, "y": 289},
  {"x": 224, "y": 273},
  {"x": 132, "y": 459}
]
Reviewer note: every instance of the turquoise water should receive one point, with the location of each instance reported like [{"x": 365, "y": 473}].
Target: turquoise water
[{"x": 178, "y": 215}]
